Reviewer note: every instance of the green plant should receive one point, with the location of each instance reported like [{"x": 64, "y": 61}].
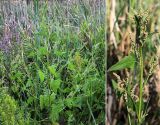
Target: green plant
[
  {"x": 52, "y": 75},
  {"x": 133, "y": 93},
  {"x": 10, "y": 113}
]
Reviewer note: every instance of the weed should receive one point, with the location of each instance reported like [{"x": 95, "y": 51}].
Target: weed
[
  {"x": 55, "y": 74},
  {"x": 132, "y": 92}
]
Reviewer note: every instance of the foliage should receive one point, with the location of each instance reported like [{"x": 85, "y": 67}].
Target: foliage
[
  {"x": 56, "y": 73},
  {"x": 132, "y": 61}
]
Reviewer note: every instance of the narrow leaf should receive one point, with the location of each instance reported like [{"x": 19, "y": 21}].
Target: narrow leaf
[
  {"x": 41, "y": 75},
  {"x": 126, "y": 62}
]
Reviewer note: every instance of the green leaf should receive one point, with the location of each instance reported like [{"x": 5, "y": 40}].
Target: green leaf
[
  {"x": 73, "y": 102},
  {"x": 126, "y": 62},
  {"x": 59, "y": 53},
  {"x": 31, "y": 54},
  {"x": 46, "y": 99},
  {"x": 55, "y": 84},
  {"x": 41, "y": 101},
  {"x": 30, "y": 100},
  {"x": 41, "y": 75},
  {"x": 29, "y": 83},
  {"x": 55, "y": 110},
  {"x": 71, "y": 66},
  {"x": 52, "y": 70},
  {"x": 115, "y": 86},
  {"x": 43, "y": 51},
  {"x": 69, "y": 102}
]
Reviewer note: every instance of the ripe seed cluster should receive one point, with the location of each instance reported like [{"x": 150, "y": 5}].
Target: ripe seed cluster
[{"x": 141, "y": 20}]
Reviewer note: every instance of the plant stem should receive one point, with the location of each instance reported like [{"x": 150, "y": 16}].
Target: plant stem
[
  {"x": 140, "y": 85},
  {"x": 129, "y": 119},
  {"x": 91, "y": 113}
]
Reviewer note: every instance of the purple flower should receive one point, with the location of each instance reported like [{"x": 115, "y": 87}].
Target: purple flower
[
  {"x": 10, "y": 35},
  {"x": 5, "y": 44}
]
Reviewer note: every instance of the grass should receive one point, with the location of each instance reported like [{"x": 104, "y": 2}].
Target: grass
[
  {"x": 134, "y": 65},
  {"x": 55, "y": 73}
]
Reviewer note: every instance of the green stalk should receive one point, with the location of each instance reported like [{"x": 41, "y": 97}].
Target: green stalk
[
  {"x": 140, "y": 85},
  {"x": 90, "y": 110},
  {"x": 129, "y": 119}
]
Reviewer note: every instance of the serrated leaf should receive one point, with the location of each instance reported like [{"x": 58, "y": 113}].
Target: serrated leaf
[
  {"x": 41, "y": 75},
  {"x": 126, "y": 62}
]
